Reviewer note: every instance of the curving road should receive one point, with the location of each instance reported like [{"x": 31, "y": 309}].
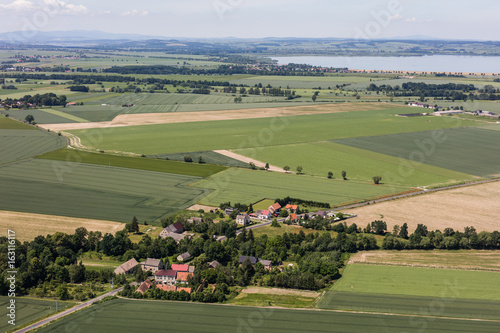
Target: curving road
[{"x": 67, "y": 312}]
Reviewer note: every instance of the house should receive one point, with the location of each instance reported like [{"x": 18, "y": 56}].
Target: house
[
  {"x": 291, "y": 208},
  {"x": 195, "y": 220},
  {"x": 184, "y": 256},
  {"x": 176, "y": 237},
  {"x": 180, "y": 268},
  {"x": 229, "y": 210},
  {"x": 243, "y": 219},
  {"x": 274, "y": 208},
  {"x": 213, "y": 264},
  {"x": 127, "y": 268},
  {"x": 152, "y": 265},
  {"x": 268, "y": 264},
  {"x": 264, "y": 214},
  {"x": 146, "y": 285},
  {"x": 184, "y": 276},
  {"x": 177, "y": 228},
  {"x": 321, "y": 213},
  {"x": 253, "y": 260},
  {"x": 165, "y": 277},
  {"x": 293, "y": 217}
]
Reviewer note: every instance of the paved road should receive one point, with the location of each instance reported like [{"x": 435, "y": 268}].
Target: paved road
[
  {"x": 67, "y": 312},
  {"x": 399, "y": 196}
]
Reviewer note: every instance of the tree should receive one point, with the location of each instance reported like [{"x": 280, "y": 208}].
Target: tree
[
  {"x": 379, "y": 227},
  {"x": 275, "y": 223},
  {"x": 29, "y": 119},
  {"x": 134, "y": 225},
  {"x": 267, "y": 166},
  {"x": 344, "y": 174},
  {"x": 201, "y": 160},
  {"x": 252, "y": 166},
  {"x": 330, "y": 175},
  {"x": 377, "y": 179},
  {"x": 314, "y": 97},
  {"x": 188, "y": 159},
  {"x": 403, "y": 233},
  {"x": 286, "y": 168},
  {"x": 299, "y": 169}
]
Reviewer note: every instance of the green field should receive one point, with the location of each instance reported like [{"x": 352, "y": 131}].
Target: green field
[
  {"x": 6, "y": 123},
  {"x": 18, "y": 144},
  {"x": 250, "y": 133},
  {"x": 249, "y": 186},
  {"x": 286, "y": 301},
  {"x": 123, "y": 315},
  {"x": 140, "y": 163},
  {"x": 474, "y": 151},
  {"x": 404, "y": 304},
  {"x": 94, "y": 191},
  {"x": 28, "y": 310},
  {"x": 414, "y": 281},
  {"x": 42, "y": 116},
  {"x": 210, "y": 157},
  {"x": 321, "y": 157}
]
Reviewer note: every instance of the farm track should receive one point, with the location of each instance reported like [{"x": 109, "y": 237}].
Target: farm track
[{"x": 245, "y": 159}]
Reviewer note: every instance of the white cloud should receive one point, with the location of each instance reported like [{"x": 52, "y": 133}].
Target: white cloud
[
  {"x": 66, "y": 8},
  {"x": 395, "y": 17},
  {"x": 135, "y": 12},
  {"x": 411, "y": 19},
  {"x": 18, "y": 5}
]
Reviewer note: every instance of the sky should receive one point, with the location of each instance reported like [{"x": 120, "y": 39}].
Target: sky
[{"x": 447, "y": 19}]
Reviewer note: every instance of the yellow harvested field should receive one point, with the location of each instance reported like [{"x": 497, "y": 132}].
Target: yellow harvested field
[
  {"x": 459, "y": 259},
  {"x": 27, "y": 226},
  {"x": 476, "y": 206},
  {"x": 185, "y": 117},
  {"x": 205, "y": 208},
  {"x": 278, "y": 291}
]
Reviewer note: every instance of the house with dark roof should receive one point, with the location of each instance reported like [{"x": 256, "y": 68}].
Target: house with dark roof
[
  {"x": 184, "y": 256},
  {"x": 177, "y": 228},
  {"x": 152, "y": 265},
  {"x": 268, "y": 264},
  {"x": 127, "y": 267},
  {"x": 213, "y": 264},
  {"x": 322, "y": 213},
  {"x": 229, "y": 210},
  {"x": 167, "y": 277},
  {"x": 253, "y": 260},
  {"x": 146, "y": 285}
]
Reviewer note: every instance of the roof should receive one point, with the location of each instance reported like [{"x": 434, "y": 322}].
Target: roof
[
  {"x": 166, "y": 272},
  {"x": 275, "y": 206},
  {"x": 180, "y": 268},
  {"x": 176, "y": 227},
  {"x": 266, "y": 262},
  {"x": 213, "y": 264},
  {"x": 184, "y": 256},
  {"x": 183, "y": 276},
  {"x": 292, "y": 216},
  {"x": 166, "y": 288},
  {"x": 144, "y": 286},
  {"x": 294, "y": 207},
  {"x": 242, "y": 216},
  {"x": 176, "y": 237},
  {"x": 188, "y": 290},
  {"x": 153, "y": 262},
  {"x": 265, "y": 212},
  {"x": 321, "y": 212},
  {"x": 253, "y": 260},
  {"x": 127, "y": 266}
]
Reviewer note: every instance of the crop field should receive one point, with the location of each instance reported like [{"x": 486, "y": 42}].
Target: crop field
[
  {"x": 413, "y": 305},
  {"x": 93, "y": 112},
  {"x": 262, "y": 132},
  {"x": 122, "y": 315},
  {"x": 459, "y": 259},
  {"x": 441, "y": 209},
  {"x": 6, "y": 123},
  {"x": 319, "y": 158},
  {"x": 27, "y": 225},
  {"x": 210, "y": 157},
  {"x": 140, "y": 163},
  {"x": 28, "y": 310},
  {"x": 249, "y": 186},
  {"x": 42, "y": 116},
  {"x": 416, "y": 281},
  {"x": 18, "y": 144},
  {"x": 93, "y": 191},
  {"x": 469, "y": 150}
]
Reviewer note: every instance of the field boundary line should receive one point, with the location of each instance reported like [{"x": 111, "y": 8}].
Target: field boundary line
[{"x": 245, "y": 159}]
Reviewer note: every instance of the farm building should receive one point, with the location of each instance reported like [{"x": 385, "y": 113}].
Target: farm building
[
  {"x": 268, "y": 264},
  {"x": 177, "y": 228},
  {"x": 184, "y": 276},
  {"x": 293, "y": 217},
  {"x": 152, "y": 265},
  {"x": 180, "y": 268},
  {"x": 243, "y": 219},
  {"x": 127, "y": 267},
  {"x": 253, "y": 260},
  {"x": 167, "y": 277},
  {"x": 146, "y": 285},
  {"x": 213, "y": 264},
  {"x": 291, "y": 208},
  {"x": 184, "y": 256},
  {"x": 274, "y": 208},
  {"x": 195, "y": 220}
]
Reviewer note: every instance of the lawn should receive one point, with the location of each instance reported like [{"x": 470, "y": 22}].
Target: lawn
[
  {"x": 260, "y": 132},
  {"x": 16, "y": 144},
  {"x": 94, "y": 191},
  {"x": 28, "y": 310},
  {"x": 321, "y": 157},
  {"x": 140, "y": 163},
  {"x": 6, "y": 123},
  {"x": 123, "y": 315},
  {"x": 474, "y": 151},
  {"x": 249, "y": 186},
  {"x": 415, "y": 281}
]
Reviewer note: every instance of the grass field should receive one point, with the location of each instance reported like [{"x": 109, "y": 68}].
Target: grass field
[
  {"x": 321, "y": 157},
  {"x": 270, "y": 297},
  {"x": 470, "y": 150},
  {"x": 441, "y": 209},
  {"x": 16, "y": 144},
  {"x": 416, "y": 305},
  {"x": 239, "y": 134},
  {"x": 210, "y": 157},
  {"x": 6, "y": 123},
  {"x": 42, "y": 116},
  {"x": 415, "y": 281},
  {"x": 459, "y": 259},
  {"x": 27, "y": 226},
  {"x": 140, "y": 163},
  {"x": 28, "y": 310},
  {"x": 248, "y": 186},
  {"x": 94, "y": 191},
  {"x": 133, "y": 316}
]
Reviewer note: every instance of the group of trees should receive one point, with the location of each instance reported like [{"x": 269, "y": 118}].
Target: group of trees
[{"x": 49, "y": 99}]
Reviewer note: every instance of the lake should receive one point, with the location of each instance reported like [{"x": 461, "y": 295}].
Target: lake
[{"x": 435, "y": 63}]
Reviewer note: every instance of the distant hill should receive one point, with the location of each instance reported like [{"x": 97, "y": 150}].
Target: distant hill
[{"x": 68, "y": 36}]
